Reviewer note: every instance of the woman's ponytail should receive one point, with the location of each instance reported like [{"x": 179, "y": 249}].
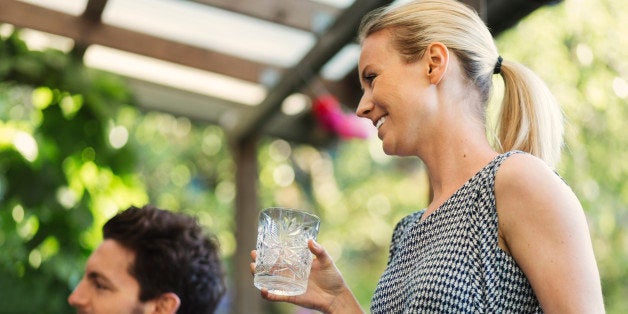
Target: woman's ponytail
[{"x": 530, "y": 119}]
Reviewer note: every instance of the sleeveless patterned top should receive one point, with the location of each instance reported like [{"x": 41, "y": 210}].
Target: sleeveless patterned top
[{"x": 450, "y": 262}]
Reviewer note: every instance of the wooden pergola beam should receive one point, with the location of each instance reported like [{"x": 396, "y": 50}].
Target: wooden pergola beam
[
  {"x": 305, "y": 15},
  {"x": 88, "y": 32}
]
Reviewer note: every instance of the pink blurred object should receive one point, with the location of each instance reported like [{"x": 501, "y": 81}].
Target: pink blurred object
[{"x": 328, "y": 112}]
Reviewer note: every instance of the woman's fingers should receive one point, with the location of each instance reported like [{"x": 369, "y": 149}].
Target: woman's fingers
[
  {"x": 252, "y": 265},
  {"x": 318, "y": 251}
]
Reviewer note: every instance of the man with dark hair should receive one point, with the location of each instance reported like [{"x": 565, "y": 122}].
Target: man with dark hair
[{"x": 151, "y": 261}]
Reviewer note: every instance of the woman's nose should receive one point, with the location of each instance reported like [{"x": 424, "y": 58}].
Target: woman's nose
[{"x": 365, "y": 106}]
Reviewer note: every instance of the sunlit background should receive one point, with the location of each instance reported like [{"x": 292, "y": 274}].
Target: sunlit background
[{"x": 71, "y": 160}]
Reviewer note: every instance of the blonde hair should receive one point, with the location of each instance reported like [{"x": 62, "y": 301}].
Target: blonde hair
[{"x": 530, "y": 119}]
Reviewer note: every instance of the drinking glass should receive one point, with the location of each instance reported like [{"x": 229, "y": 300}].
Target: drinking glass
[{"x": 283, "y": 258}]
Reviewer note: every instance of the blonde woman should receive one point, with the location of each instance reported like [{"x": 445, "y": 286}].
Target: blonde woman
[{"x": 503, "y": 232}]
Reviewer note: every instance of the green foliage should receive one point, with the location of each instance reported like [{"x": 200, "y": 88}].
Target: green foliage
[
  {"x": 59, "y": 175},
  {"x": 66, "y": 166},
  {"x": 186, "y": 167}
]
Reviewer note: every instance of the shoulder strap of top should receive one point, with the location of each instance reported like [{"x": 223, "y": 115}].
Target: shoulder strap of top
[{"x": 497, "y": 162}]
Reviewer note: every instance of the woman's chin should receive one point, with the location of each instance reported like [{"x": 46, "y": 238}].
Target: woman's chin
[{"x": 388, "y": 149}]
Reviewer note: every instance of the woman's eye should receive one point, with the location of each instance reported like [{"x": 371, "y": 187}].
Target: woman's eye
[{"x": 369, "y": 78}]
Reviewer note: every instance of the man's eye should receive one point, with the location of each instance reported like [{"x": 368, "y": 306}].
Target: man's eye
[{"x": 100, "y": 286}]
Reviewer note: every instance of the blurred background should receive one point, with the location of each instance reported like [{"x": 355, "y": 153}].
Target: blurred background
[{"x": 220, "y": 118}]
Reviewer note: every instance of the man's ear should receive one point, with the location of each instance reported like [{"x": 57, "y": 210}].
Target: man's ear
[
  {"x": 437, "y": 56},
  {"x": 167, "y": 303}
]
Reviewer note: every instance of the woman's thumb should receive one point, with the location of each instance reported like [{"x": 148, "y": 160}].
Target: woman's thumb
[{"x": 317, "y": 249}]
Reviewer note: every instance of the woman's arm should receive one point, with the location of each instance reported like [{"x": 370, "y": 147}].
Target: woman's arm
[
  {"x": 326, "y": 290},
  {"x": 542, "y": 225}
]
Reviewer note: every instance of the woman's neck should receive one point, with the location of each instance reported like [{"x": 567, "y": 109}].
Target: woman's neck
[{"x": 459, "y": 155}]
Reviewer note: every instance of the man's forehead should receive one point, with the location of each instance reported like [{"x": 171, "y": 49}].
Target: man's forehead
[
  {"x": 111, "y": 260},
  {"x": 111, "y": 249}
]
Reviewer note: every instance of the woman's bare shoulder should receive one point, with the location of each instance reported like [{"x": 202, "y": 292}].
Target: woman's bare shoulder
[
  {"x": 527, "y": 173},
  {"x": 543, "y": 226},
  {"x": 527, "y": 189}
]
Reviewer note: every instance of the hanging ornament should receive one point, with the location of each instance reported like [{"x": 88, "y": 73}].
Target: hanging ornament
[{"x": 330, "y": 115}]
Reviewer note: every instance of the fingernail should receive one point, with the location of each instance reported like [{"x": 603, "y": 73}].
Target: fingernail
[{"x": 316, "y": 245}]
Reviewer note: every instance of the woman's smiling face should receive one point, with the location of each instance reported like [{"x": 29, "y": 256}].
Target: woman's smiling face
[{"x": 396, "y": 95}]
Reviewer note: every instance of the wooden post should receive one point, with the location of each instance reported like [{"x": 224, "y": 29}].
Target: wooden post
[{"x": 247, "y": 298}]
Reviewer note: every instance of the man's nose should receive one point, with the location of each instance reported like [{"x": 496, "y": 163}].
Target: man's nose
[{"x": 78, "y": 298}]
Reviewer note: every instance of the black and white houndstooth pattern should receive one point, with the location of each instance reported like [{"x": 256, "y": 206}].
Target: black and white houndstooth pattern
[{"x": 451, "y": 263}]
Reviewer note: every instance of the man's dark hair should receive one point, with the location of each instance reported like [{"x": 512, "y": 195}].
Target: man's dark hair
[{"x": 172, "y": 254}]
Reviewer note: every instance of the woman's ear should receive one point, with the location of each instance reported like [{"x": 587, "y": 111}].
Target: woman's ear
[
  {"x": 437, "y": 56},
  {"x": 167, "y": 303}
]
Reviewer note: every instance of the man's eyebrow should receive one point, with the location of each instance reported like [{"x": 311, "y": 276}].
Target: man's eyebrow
[{"x": 94, "y": 275}]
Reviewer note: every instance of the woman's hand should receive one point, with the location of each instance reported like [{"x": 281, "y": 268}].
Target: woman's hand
[{"x": 326, "y": 289}]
